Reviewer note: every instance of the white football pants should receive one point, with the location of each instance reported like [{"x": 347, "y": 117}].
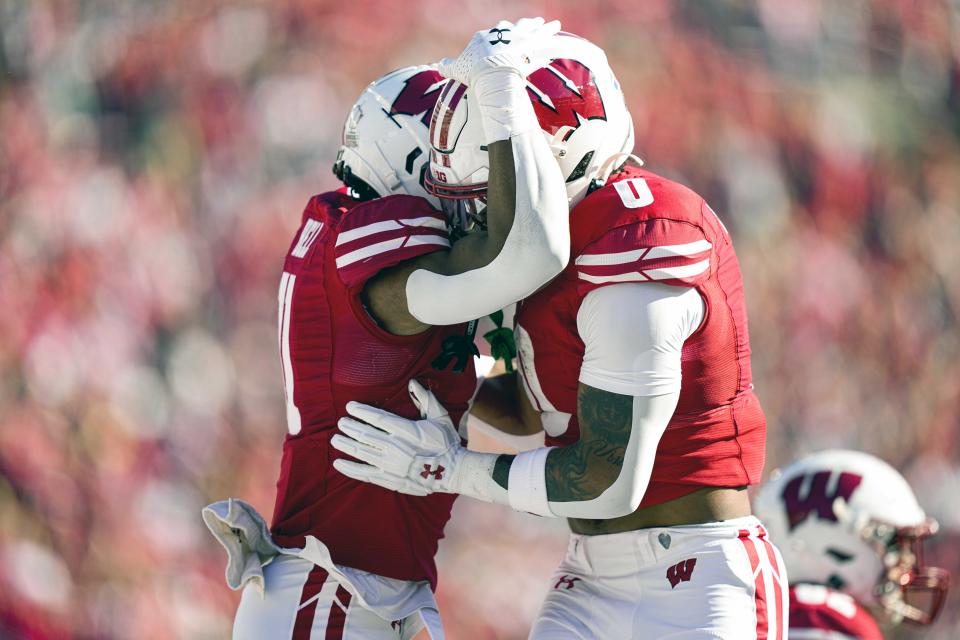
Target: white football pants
[
  {"x": 718, "y": 580},
  {"x": 303, "y": 602}
]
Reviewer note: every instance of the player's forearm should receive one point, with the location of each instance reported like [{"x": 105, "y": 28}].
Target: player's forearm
[
  {"x": 575, "y": 484},
  {"x": 606, "y": 473},
  {"x": 527, "y": 241}
]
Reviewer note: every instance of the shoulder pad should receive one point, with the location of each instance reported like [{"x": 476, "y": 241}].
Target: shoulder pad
[
  {"x": 655, "y": 250},
  {"x": 321, "y": 212},
  {"x": 327, "y": 207},
  {"x": 634, "y": 195},
  {"x": 381, "y": 233}
]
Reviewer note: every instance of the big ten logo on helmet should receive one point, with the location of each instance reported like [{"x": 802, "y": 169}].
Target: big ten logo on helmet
[
  {"x": 564, "y": 94},
  {"x": 808, "y": 494},
  {"x": 419, "y": 96}
]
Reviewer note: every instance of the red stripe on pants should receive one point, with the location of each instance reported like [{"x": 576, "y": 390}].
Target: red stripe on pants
[
  {"x": 760, "y": 591},
  {"x": 337, "y": 621},
  {"x": 778, "y": 633},
  {"x": 311, "y": 587}
]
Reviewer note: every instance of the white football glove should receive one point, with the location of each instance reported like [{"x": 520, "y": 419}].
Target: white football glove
[
  {"x": 518, "y": 47},
  {"x": 416, "y": 457}
]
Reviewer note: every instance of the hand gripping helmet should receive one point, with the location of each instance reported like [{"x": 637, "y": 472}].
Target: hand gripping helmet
[
  {"x": 385, "y": 142},
  {"x": 848, "y": 520},
  {"x": 580, "y": 107}
]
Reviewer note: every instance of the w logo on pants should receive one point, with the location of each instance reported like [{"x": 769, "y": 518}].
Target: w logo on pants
[{"x": 681, "y": 572}]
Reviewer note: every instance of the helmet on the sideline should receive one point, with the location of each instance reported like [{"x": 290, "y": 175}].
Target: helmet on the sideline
[
  {"x": 385, "y": 144},
  {"x": 581, "y": 109},
  {"x": 850, "y": 521}
]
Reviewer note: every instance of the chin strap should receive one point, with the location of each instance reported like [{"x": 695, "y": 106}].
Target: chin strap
[{"x": 609, "y": 165}]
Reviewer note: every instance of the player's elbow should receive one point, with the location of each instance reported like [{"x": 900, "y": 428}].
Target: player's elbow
[
  {"x": 618, "y": 492},
  {"x": 557, "y": 256},
  {"x": 557, "y": 234},
  {"x": 626, "y": 501},
  {"x": 538, "y": 264},
  {"x": 549, "y": 250}
]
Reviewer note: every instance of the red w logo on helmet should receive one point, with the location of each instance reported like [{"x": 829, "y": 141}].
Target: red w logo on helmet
[
  {"x": 564, "y": 93},
  {"x": 419, "y": 95},
  {"x": 817, "y": 499}
]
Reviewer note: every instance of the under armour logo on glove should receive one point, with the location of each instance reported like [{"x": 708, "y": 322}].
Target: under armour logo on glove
[
  {"x": 498, "y": 33},
  {"x": 681, "y": 572},
  {"x": 427, "y": 472},
  {"x": 566, "y": 581}
]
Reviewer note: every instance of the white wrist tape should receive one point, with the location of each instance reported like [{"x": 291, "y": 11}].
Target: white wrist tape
[
  {"x": 527, "y": 487},
  {"x": 475, "y": 478},
  {"x": 505, "y": 108}
]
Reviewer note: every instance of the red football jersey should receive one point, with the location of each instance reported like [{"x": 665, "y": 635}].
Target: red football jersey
[
  {"x": 641, "y": 227},
  {"x": 820, "y": 613},
  {"x": 334, "y": 352}
]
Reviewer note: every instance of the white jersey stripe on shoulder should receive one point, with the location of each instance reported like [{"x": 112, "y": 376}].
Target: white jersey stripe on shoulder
[
  {"x": 633, "y": 276},
  {"x": 389, "y": 245},
  {"x": 647, "y": 253},
  {"x": 676, "y": 250},
  {"x": 389, "y": 225},
  {"x": 433, "y": 222},
  {"x": 666, "y": 273},
  {"x": 620, "y": 257},
  {"x": 678, "y": 273},
  {"x": 377, "y": 227}
]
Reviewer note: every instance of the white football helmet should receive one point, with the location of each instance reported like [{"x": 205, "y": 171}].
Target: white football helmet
[
  {"x": 385, "y": 144},
  {"x": 850, "y": 521},
  {"x": 581, "y": 109}
]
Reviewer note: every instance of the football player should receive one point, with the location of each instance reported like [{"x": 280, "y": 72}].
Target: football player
[
  {"x": 851, "y": 532},
  {"x": 635, "y": 361},
  {"x": 368, "y": 273}
]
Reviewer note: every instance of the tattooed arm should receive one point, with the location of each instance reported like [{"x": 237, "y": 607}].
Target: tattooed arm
[
  {"x": 605, "y": 474},
  {"x": 629, "y": 387},
  {"x": 588, "y": 468}
]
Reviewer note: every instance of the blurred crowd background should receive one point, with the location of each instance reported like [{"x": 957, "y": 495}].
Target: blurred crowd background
[{"x": 154, "y": 160}]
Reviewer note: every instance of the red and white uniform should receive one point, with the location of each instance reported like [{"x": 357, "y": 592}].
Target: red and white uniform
[
  {"x": 641, "y": 227},
  {"x": 687, "y": 581},
  {"x": 820, "y": 613},
  {"x": 334, "y": 352}
]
